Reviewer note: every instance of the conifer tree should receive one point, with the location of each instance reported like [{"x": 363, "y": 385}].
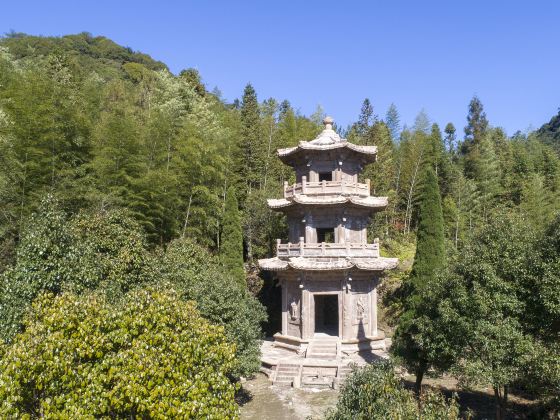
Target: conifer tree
[
  {"x": 437, "y": 157},
  {"x": 393, "y": 121},
  {"x": 422, "y": 122},
  {"x": 365, "y": 119},
  {"x": 231, "y": 250},
  {"x": 430, "y": 247},
  {"x": 486, "y": 173},
  {"x": 475, "y": 132},
  {"x": 477, "y": 124},
  {"x": 251, "y": 156},
  {"x": 429, "y": 258}
]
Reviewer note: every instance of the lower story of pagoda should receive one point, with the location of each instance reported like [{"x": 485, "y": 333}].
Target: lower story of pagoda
[{"x": 329, "y": 304}]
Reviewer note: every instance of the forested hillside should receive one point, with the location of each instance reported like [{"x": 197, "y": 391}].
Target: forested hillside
[
  {"x": 100, "y": 126},
  {"x": 549, "y": 133},
  {"x": 117, "y": 175}
]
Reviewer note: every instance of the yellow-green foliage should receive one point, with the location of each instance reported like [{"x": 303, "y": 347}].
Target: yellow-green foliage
[{"x": 153, "y": 357}]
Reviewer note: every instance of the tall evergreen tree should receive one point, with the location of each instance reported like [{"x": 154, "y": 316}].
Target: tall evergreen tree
[
  {"x": 251, "y": 139},
  {"x": 437, "y": 157},
  {"x": 365, "y": 119},
  {"x": 486, "y": 173},
  {"x": 475, "y": 133},
  {"x": 422, "y": 122},
  {"x": 231, "y": 250},
  {"x": 429, "y": 258},
  {"x": 430, "y": 247},
  {"x": 393, "y": 122},
  {"x": 477, "y": 123}
]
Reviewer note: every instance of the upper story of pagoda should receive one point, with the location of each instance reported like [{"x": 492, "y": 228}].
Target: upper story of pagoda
[
  {"x": 327, "y": 170},
  {"x": 327, "y": 209}
]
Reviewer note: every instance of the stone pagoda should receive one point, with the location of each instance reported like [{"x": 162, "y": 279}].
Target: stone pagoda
[{"x": 328, "y": 272}]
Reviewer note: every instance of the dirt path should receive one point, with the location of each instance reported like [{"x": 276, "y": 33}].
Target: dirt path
[{"x": 283, "y": 403}]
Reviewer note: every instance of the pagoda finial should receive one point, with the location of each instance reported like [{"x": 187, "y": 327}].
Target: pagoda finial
[{"x": 328, "y": 121}]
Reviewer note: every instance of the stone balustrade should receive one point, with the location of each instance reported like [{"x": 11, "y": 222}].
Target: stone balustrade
[
  {"x": 324, "y": 249},
  {"x": 327, "y": 188}
]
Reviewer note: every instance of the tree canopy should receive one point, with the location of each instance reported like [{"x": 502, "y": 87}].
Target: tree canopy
[{"x": 152, "y": 357}]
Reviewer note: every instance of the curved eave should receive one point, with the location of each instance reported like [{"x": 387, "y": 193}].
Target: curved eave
[
  {"x": 306, "y": 264},
  {"x": 368, "y": 153},
  {"x": 368, "y": 202}
]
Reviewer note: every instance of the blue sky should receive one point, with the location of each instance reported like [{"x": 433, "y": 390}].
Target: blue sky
[{"x": 433, "y": 55}]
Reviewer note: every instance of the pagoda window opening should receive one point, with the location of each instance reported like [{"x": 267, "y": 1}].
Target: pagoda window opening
[
  {"x": 325, "y": 176},
  {"x": 325, "y": 235}
]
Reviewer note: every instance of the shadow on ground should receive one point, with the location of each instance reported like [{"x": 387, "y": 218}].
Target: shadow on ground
[{"x": 480, "y": 403}]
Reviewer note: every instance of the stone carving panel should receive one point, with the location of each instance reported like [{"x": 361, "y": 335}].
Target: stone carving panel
[
  {"x": 294, "y": 308},
  {"x": 361, "y": 308}
]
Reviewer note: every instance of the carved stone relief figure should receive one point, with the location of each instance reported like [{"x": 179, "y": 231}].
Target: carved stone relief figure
[
  {"x": 294, "y": 310},
  {"x": 360, "y": 307}
]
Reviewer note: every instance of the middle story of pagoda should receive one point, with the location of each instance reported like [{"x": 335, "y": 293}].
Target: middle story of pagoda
[{"x": 328, "y": 272}]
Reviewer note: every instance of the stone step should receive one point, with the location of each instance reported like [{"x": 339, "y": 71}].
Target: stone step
[
  {"x": 343, "y": 372},
  {"x": 287, "y": 373},
  {"x": 284, "y": 378},
  {"x": 281, "y": 366}
]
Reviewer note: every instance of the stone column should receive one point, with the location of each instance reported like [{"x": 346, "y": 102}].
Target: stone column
[
  {"x": 284, "y": 307},
  {"x": 346, "y": 307},
  {"x": 310, "y": 236},
  {"x": 306, "y": 313},
  {"x": 373, "y": 312}
]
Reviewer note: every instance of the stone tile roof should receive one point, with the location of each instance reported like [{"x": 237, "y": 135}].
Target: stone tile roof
[
  {"x": 371, "y": 202},
  {"x": 328, "y": 139},
  {"x": 310, "y": 145},
  {"x": 317, "y": 264}
]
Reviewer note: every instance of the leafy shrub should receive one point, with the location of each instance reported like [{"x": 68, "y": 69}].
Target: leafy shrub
[
  {"x": 153, "y": 356},
  {"x": 94, "y": 251},
  {"x": 107, "y": 252},
  {"x": 375, "y": 392},
  {"x": 198, "y": 276}
]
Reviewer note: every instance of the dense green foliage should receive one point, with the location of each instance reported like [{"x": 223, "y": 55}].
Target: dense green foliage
[
  {"x": 487, "y": 312},
  {"x": 429, "y": 258},
  {"x": 375, "y": 392},
  {"x": 231, "y": 248},
  {"x": 143, "y": 169},
  {"x": 220, "y": 298},
  {"x": 549, "y": 133},
  {"x": 430, "y": 247},
  {"x": 100, "y": 251},
  {"x": 106, "y": 252},
  {"x": 153, "y": 357}
]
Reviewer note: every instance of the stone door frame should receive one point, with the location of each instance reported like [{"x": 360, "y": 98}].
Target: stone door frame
[{"x": 311, "y": 317}]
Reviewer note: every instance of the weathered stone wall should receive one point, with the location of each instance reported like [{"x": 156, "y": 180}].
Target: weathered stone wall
[
  {"x": 357, "y": 302},
  {"x": 350, "y": 224}
]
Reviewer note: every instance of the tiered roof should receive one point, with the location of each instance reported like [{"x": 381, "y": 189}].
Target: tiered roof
[
  {"x": 371, "y": 202},
  {"x": 318, "y": 264},
  {"x": 328, "y": 139}
]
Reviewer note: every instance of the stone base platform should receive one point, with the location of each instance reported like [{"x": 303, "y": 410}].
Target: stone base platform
[{"x": 322, "y": 362}]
